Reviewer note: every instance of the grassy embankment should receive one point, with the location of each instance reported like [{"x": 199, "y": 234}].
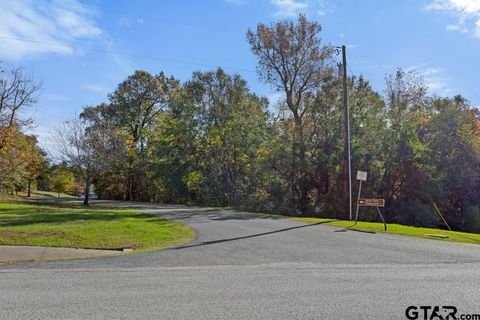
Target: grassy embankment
[
  {"x": 398, "y": 229},
  {"x": 68, "y": 224}
]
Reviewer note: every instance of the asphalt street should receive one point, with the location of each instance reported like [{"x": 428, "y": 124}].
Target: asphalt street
[{"x": 248, "y": 266}]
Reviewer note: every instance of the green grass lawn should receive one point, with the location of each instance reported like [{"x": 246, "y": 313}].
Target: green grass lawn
[
  {"x": 43, "y": 194},
  {"x": 64, "y": 224},
  {"x": 398, "y": 229}
]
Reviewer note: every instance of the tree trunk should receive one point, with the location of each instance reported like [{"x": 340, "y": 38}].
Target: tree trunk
[
  {"x": 29, "y": 187},
  {"x": 303, "y": 179},
  {"x": 129, "y": 189},
  {"x": 87, "y": 191},
  {"x": 130, "y": 182}
]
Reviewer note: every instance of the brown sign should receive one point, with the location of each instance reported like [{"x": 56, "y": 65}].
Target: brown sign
[{"x": 371, "y": 202}]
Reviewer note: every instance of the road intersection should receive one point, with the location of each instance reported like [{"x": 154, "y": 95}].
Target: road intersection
[{"x": 248, "y": 266}]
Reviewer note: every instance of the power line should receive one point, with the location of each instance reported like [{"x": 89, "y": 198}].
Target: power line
[
  {"x": 131, "y": 55},
  {"x": 132, "y": 18}
]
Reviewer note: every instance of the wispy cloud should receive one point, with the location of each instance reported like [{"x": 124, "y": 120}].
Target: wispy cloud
[
  {"x": 477, "y": 28},
  {"x": 97, "y": 88},
  {"x": 466, "y": 13},
  {"x": 288, "y": 8},
  {"x": 237, "y": 2},
  {"x": 434, "y": 78},
  {"x": 48, "y": 21},
  {"x": 126, "y": 64},
  {"x": 291, "y": 8},
  {"x": 128, "y": 22},
  {"x": 125, "y": 22}
]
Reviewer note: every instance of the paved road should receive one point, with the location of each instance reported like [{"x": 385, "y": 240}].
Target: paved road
[{"x": 244, "y": 266}]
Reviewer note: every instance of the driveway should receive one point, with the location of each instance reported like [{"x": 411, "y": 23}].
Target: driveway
[{"x": 248, "y": 266}]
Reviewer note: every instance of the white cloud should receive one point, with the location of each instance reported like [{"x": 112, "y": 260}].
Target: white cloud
[
  {"x": 434, "y": 78},
  {"x": 466, "y": 12},
  {"x": 288, "y": 8},
  {"x": 477, "y": 29},
  {"x": 291, "y": 8},
  {"x": 457, "y": 27},
  {"x": 464, "y": 6},
  {"x": 47, "y": 21}
]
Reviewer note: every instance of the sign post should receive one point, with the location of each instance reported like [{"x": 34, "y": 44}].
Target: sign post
[
  {"x": 361, "y": 176},
  {"x": 377, "y": 203}
]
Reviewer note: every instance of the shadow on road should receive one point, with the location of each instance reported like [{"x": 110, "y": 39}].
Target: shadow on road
[
  {"x": 205, "y": 243},
  {"x": 188, "y": 214}
]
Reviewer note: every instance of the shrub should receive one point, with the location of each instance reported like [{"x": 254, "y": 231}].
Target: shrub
[{"x": 471, "y": 219}]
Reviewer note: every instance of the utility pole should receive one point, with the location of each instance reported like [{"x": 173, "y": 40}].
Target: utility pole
[{"x": 347, "y": 165}]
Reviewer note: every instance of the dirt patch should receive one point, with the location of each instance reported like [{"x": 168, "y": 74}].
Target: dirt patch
[{"x": 14, "y": 254}]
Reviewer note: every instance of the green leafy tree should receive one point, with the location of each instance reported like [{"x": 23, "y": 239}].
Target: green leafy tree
[
  {"x": 136, "y": 103},
  {"x": 61, "y": 180},
  {"x": 452, "y": 136},
  {"x": 111, "y": 180}
]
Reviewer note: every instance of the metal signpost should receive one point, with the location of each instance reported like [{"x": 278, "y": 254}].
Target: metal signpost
[
  {"x": 377, "y": 203},
  {"x": 361, "y": 176}
]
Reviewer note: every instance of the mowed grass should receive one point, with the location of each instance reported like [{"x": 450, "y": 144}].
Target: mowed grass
[
  {"x": 64, "y": 224},
  {"x": 398, "y": 229},
  {"x": 42, "y": 194}
]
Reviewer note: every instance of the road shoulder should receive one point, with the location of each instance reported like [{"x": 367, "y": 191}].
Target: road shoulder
[{"x": 16, "y": 254}]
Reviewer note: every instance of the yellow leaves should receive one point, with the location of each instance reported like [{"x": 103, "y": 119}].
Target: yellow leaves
[
  {"x": 216, "y": 139},
  {"x": 470, "y": 135},
  {"x": 193, "y": 180},
  {"x": 423, "y": 119},
  {"x": 20, "y": 155},
  {"x": 6, "y": 136},
  {"x": 475, "y": 116},
  {"x": 263, "y": 152}
]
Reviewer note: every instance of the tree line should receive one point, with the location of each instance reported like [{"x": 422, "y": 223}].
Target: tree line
[{"x": 212, "y": 141}]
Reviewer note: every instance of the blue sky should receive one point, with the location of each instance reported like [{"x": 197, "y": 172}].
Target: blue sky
[{"x": 66, "y": 43}]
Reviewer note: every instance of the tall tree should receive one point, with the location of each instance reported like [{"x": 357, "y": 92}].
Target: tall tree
[
  {"x": 21, "y": 162},
  {"x": 110, "y": 183},
  {"x": 136, "y": 102},
  {"x": 231, "y": 127},
  {"x": 454, "y": 151},
  {"x": 61, "y": 180},
  {"x": 406, "y": 102},
  {"x": 292, "y": 60},
  {"x": 17, "y": 91},
  {"x": 34, "y": 160},
  {"x": 81, "y": 149}
]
